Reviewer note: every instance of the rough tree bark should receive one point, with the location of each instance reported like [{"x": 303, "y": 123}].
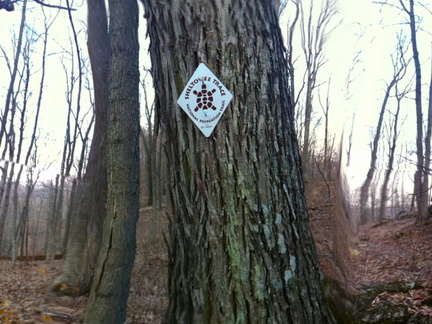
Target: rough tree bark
[
  {"x": 241, "y": 250},
  {"x": 110, "y": 286}
]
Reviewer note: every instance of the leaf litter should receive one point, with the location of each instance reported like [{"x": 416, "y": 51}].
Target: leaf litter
[{"x": 378, "y": 254}]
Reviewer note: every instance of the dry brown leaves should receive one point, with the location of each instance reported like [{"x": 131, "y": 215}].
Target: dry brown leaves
[
  {"x": 417, "y": 301},
  {"x": 394, "y": 251},
  {"x": 24, "y": 297}
]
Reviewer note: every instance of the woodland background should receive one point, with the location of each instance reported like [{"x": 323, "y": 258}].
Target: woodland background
[{"x": 47, "y": 127}]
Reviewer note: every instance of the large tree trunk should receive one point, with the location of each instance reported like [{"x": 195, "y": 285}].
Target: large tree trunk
[
  {"x": 110, "y": 287},
  {"x": 241, "y": 250}
]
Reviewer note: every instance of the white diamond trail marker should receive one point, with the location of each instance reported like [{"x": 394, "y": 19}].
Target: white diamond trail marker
[{"x": 204, "y": 99}]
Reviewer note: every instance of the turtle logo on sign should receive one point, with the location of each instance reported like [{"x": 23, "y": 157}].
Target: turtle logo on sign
[{"x": 204, "y": 99}]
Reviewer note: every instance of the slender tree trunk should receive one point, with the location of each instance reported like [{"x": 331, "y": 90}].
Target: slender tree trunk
[
  {"x": 313, "y": 35},
  {"x": 14, "y": 72},
  {"x": 110, "y": 287},
  {"x": 15, "y": 220},
  {"x": 306, "y": 151},
  {"x": 389, "y": 170},
  {"x": 420, "y": 188},
  {"x": 68, "y": 218},
  {"x": 6, "y": 188},
  {"x": 24, "y": 218},
  {"x": 51, "y": 223},
  {"x": 83, "y": 249},
  {"x": 327, "y": 153},
  {"x": 399, "y": 72},
  {"x": 290, "y": 56},
  {"x": 5, "y": 206},
  {"x": 426, "y": 213},
  {"x": 36, "y": 234},
  {"x": 241, "y": 250}
]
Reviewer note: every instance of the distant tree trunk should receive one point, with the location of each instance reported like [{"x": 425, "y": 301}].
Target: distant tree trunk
[
  {"x": 15, "y": 218},
  {"x": 50, "y": 243},
  {"x": 327, "y": 151},
  {"x": 90, "y": 198},
  {"x": 148, "y": 157},
  {"x": 427, "y": 167},
  {"x": 314, "y": 35},
  {"x": 110, "y": 287},
  {"x": 290, "y": 57},
  {"x": 398, "y": 73},
  {"x": 24, "y": 215},
  {"x": 5, "y": 205},
  {"x": 349, "y": 80},
  {"x": 15, "y": 143},
  {"x": 400, "y": 64},
  {"x": 9, "y": 95},
  {"x": 36, "y": 234},
  {"x": 10, "y": 106},
  {"x": 241, "y": 250},
  {"x": 149, "y": 140},
  {"x": 391, "y": 154},
  {"x": 420, "y": 177}
]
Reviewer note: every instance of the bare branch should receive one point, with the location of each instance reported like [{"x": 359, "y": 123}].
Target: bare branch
[
  {"x": 53, "y": 6},
  {"x": 385, "y": 3}
]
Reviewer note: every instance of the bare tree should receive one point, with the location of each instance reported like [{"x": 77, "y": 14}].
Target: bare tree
[
  {"x": 427, "y": 160},
  {"x": 314, "y": 33},
  {"x": 291, "y": 61},
  {"x": 421, "y": 176},
  {"x": 328, "y": 151},
  {"x": 20, "y": 229},
  {"x": 392, "y": 141},
  {"x": 30, "y": 161},
  {"x": 8, "y": 134},
  {"x": 73, "y": 98},
  {"x": 83, "y": 249},
  {"x": 149, "y": 137},
  {"x": 399, "y": 70}
]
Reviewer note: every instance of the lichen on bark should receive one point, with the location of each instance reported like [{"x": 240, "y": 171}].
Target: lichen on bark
[{"x": 240, "y": 249}]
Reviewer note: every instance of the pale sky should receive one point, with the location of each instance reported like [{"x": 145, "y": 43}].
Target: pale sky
[{"x": 359, "y": 30}]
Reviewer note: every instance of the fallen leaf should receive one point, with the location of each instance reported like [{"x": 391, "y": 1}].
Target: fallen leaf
[
  {"x": 353, "y": 252},
  {"x": 46, "y": 318}
]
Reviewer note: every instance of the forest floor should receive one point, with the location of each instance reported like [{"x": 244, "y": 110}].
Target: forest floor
[
  {"x": 393, "y": 257},
  {"x": 379, "y": 253}
]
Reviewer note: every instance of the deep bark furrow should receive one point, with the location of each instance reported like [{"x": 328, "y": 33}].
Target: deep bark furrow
[{"x": 237, "y": 202}]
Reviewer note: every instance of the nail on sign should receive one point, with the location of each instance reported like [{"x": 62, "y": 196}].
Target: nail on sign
[{"x": 204, "y": 99}]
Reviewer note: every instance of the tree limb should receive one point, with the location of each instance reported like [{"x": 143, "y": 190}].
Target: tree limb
[{"x": 53, "y": 6}]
